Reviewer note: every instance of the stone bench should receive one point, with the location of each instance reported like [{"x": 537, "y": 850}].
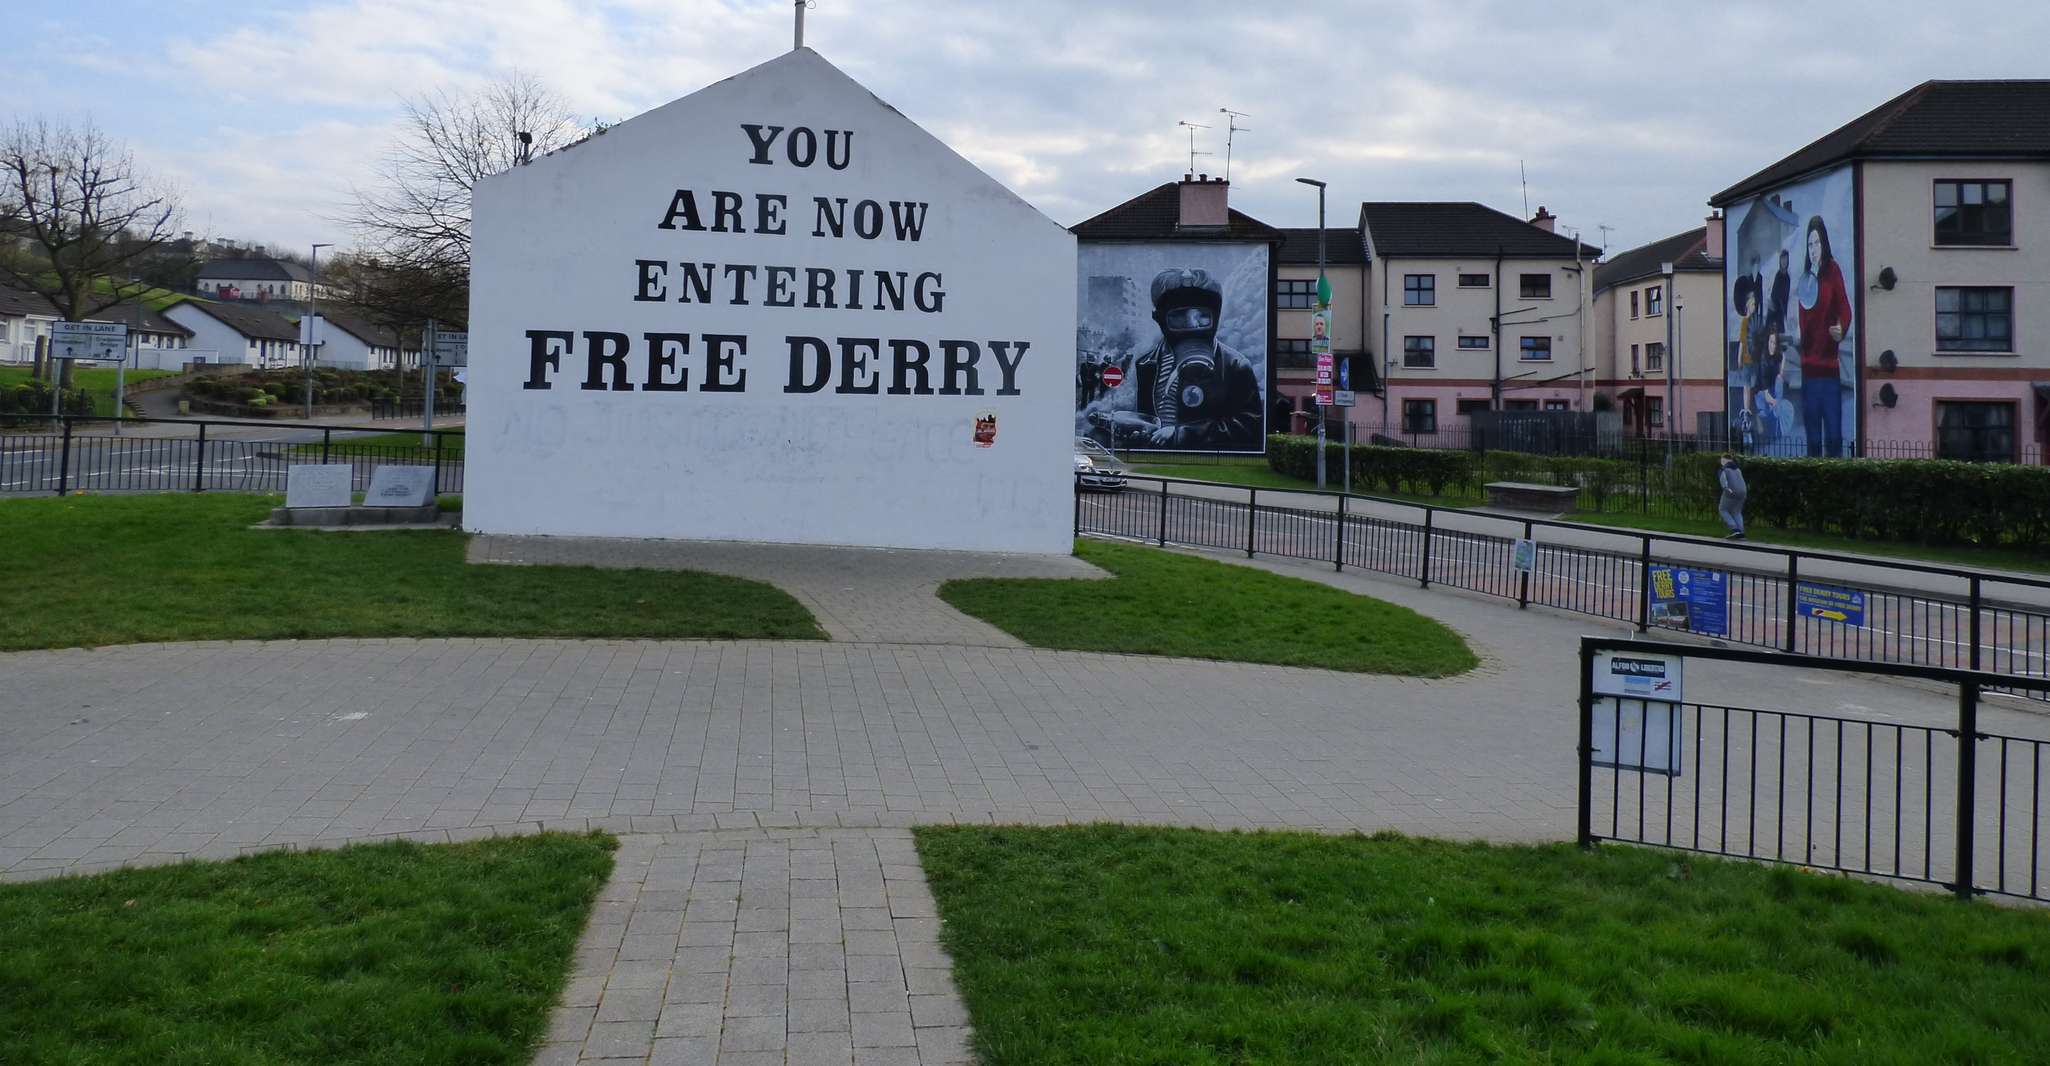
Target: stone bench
[{"x": 1521, "y": 496}]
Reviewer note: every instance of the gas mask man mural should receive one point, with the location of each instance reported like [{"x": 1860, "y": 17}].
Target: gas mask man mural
[{"x": 1194, "y": 391}]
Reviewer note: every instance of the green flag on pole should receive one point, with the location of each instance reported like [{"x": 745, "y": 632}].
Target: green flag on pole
[{"x": 1323, "y": 290}]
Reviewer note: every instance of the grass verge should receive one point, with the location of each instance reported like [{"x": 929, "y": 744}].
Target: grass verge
[
  {"x": 1964, "y": 555},
  {"x": 1165, "y": 603},
  {"x": 99, "y": 381},
  {"x": 379, "y": 954},
  {"x": 1106, "y": 944},
  {"x": 399, "y": 445},
  {"x": 94, "y": 570}
]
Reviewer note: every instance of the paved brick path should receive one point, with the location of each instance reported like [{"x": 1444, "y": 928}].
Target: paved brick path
[
  {"x": 762, "y": 946},
  {"x": 858, "y": 594}
]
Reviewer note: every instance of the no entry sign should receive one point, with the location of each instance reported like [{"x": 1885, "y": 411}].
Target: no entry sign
[{"x": 1113, "y": 376}]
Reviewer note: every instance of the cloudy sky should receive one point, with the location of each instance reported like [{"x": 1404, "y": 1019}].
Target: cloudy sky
[{"x": 1623, "y": 114}]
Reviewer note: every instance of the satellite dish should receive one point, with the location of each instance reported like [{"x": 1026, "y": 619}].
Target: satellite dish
[
  {"x": 1888, "y": 361},
  {"x": 1888, "y": 279},
  {"x": 1887, "y": 396}
]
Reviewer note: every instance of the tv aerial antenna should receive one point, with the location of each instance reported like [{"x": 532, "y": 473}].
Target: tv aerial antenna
[
  {"x": 1193, "y": 153},
  {"x": 1605, "y": 228},
  {"x": 1231, "y": 128}
]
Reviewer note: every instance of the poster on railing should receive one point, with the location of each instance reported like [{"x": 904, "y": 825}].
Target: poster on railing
[
  {"x": 1832, "y": 603},
  {"x": 1690, "y": 599},
  {"x": 1636, "y": 709}
]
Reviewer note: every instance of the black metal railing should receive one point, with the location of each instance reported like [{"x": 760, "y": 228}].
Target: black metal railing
[
  {"x": 413, "y": 408},
  {"x": 180, "y": 455},
  {"x": 1936, "y": 802},
  {"x": 1923, "y": 613}
]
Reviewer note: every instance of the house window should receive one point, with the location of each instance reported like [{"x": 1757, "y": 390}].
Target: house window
[
  {"x": 1655, "y": 410},
  {"x": 1558, "y": 405},
  {"x": 1292, "y": 354},
  {"x": 1979, "y": 432},
  {"x": 1419, "y": 290},
  {"x": 1468, "y": 343},
  {"x": 1467, "y": 407},
  {"x": 1655, "y": 356},
  {"x": 1419, "y": 353},
  {"x": 1634, "y": 370},
  {"x": 1633, "y": 303},
  {"x": 1974, "y": 319},
  {"x": 1473, "y": 281},
  {"x": 1534, "y": 286},
  {"x": 1519, "y": 405},
  {"x": 1295, "y": 294},
  {"x": 1974, "y": 212},
  {"x": 1535, "y": 349},
  {"x": 1655, "y": 300},
  {"x": 1420, "y": 416}
]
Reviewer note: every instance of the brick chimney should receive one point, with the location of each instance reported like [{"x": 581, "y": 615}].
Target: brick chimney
[
  {"x": 1203, "y": 203},
  {"x": 1712, "y": 245},
  {"x": 1545, "y": 220}
]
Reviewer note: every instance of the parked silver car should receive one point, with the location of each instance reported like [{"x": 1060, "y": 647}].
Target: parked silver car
[{"x": 1096, "y": 467}]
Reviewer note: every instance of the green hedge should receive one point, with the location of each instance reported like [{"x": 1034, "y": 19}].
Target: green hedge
[
  {"x": 1935, "y": 501},
  {"x": 33, "y": 398}
]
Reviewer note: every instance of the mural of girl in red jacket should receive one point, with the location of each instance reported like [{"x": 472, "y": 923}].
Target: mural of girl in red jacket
[{"x": 1825, "y": 320}]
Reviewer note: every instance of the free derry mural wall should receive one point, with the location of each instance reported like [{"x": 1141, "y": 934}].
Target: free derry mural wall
[
  {"x": 1789, "y": 322},
  {"x": 1185, "y": 324},
  {"x": 773, "y": 310}
]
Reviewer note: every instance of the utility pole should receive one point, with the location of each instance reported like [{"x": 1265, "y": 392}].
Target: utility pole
[
  {"x": 1323, "y": 359},
  {"x": 430, "y": 372},
  {"x": 312, "y": 343}
]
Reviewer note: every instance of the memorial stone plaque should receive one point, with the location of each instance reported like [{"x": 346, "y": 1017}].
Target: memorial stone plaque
[
  {"x": 318, "y": 485},
  {"x": 400, "y": 486}
]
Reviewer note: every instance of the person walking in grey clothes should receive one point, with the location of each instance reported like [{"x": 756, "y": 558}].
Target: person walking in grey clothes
[{"x": 1731, "y": 507}]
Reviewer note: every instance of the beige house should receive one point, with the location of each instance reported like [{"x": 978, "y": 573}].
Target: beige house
[
  {"x": 1936, "y": 210},
  {"x": 1295, "y": 298},
  {"x": 1658, "y": 333},
  {"x": 1477, "y": 310}
]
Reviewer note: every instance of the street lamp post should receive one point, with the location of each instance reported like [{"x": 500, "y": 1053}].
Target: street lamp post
[
  {"x": 1323, "y": 304},
  {"x": 312, "y": 343},
  {"x": 1672, "y": 368}
]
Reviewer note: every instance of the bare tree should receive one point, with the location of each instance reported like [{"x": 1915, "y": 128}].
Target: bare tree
[
  {"x": 419, "y": 213},
  {"x": 85, "y": 219}
]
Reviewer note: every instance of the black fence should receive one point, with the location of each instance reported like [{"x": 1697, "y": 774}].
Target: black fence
[
  {"x": 1806, "y": 602},
  {"x": 1941, "y": 803},
  {"x": 409, "y": 409},
  {"x": 2000, "y": 444},
  {"x": 175, "y": 455}
]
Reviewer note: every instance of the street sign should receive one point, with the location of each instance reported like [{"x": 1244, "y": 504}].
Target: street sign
[
  {"x": 1523, "y": 556},
  {"x": 451, "y": 349},
  {"x": 1325, "y": 395},
  {"x": 1113, "y": 376},
  {"x": 1829, "y": 602},
  {"x": 1343, "y": 395},
  {"x": 105, "y": 342},
  {"x": 312, "y": 330}
]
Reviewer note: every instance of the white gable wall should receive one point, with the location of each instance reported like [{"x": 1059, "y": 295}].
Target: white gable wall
[{"x": 556, "y": 245}]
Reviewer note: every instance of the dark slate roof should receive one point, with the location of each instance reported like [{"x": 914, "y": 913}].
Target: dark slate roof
[
  {"x": 1686, "y": 251},
  {"x": 249, "y": 321},
  {"x": 253, "y": 270},
  {"x": 371, "y": 333},
  {"x": 18, "y": 302},
  {"x": 139, "y": 319},
  {"x": 1936, "y": 119},
  {"x": 1442, "y": 230},
  {"x": 1152, "y": 216},
  {"x": 1343, "y": 246}
]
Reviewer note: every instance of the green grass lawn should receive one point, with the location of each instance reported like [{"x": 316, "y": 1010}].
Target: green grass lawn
[
  {"x": 1165, "y": 603},
  {"x": 99, "y": 381},
  {"x": 1108, "y": 945},
  {"x": 93, "y": 570},
  {"x": 395, "y": 445},
  {"x": 1997, "y": 558},
  {"x": 383, "y": 954}
]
